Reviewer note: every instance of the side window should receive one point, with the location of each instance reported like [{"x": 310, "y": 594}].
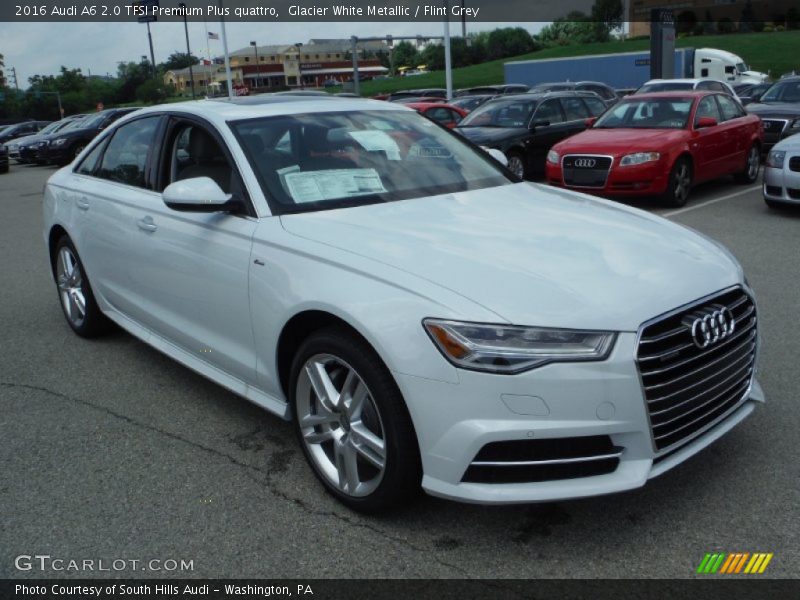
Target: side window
[
  {"x": 596, "y": 107},
  {"x": 440, "y": 115},
  {"x": 195, "y": 153},
  {"x": 454, "y": 116},
  {"x": 730, "y": 110},
  {"x": 575, "y": 109},
  {"x": 707, "y": 108},
  {"x": 550, "y": 111},
  {"x": 126, "y": 154},
  {"x": 89, "y": 164}
]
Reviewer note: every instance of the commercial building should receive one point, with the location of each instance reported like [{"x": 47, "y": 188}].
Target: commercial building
[{"x": 265, "y": 68}]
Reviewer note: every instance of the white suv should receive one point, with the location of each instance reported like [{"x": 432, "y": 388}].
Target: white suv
[{"x": 423, "y": 317}]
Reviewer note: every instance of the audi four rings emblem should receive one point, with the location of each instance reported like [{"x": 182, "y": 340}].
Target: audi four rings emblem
[
  {"x": 586, "y": 163},
  {"x": 711, "y": 325}
]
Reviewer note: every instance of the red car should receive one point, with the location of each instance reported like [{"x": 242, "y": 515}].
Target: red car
[
  {"x": 445, "y": 114},
  {"x": 660, "y": 144}
]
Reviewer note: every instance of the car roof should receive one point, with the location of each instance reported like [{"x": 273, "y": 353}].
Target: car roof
[
  {"x": 672, "y": 94},
  {"x": 221, "y": 110}
]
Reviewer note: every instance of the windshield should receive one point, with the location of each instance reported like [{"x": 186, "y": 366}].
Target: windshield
[
  {"x": 650, "y": 113},
  {"x": 674, "y": 86},
  {"x": 783, "y": 91},
  {"x": 741, "y": 67},
  {"x": 54, "y": 126},
  {"x": 315, "y": 162},
  {"x": 92, "y": 122},
  {"x": 501, "y": 113}
]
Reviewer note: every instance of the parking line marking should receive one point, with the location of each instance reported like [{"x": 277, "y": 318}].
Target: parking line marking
[{"x": 672, "y": 213}]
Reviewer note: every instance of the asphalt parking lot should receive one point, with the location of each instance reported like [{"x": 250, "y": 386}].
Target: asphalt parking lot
[{"x": 111, "y": 450}]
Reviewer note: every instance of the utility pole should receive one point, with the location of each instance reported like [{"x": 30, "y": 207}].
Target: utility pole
[
  {"x": 188, "y": 49},
  {"x": 254, "y": 44},
  {"x": 448, "y": 62},
  {"x": 16, "y": 82},
  {"x": 463, "y": 21},
  {"x": 354, "y": 53},
  {"x": 225, "y": 49}
]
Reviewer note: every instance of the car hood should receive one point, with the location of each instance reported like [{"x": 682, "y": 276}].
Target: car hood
[
  {"x": 483, "y": 136},
  {"x": 778, "y": 109},
  {"x": 533, "y": 255},
  {"x": 25, "y": 139},
  {"x": 620, "y": 141}
]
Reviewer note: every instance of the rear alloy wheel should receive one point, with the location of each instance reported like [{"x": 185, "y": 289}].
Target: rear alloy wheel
[
  {"x": 516, "y": 164},
  {"x": 750, "y": 172},
  {"x": 679, "y": 184},
  {"x": 75, "y": 293},
  {"x": 352, "y": 423}
]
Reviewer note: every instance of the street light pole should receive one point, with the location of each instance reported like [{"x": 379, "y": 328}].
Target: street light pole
[
  {"x": 228, "y": 74},
  {"x": 255, "y": 49},
  {"x": 182, "y": 5},
  {"x": 448, "y": 63}
]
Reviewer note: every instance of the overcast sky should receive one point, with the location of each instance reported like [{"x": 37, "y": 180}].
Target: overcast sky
[{"x": 41, "y": 48}]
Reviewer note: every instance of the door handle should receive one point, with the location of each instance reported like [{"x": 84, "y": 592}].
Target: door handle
[
  {"x": 82, "y": 203},
  {"x": 146, "y": 224}
]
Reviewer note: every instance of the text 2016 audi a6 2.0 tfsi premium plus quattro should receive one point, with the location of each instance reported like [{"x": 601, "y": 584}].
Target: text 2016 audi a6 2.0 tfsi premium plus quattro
[{"x": 423, "y": 317}]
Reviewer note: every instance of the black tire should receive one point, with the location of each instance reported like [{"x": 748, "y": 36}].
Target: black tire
[
  {"x": 752, "y": 165},
  {"x": 515, "y": 157},
  {"x": 402, "y": 471},
  {"x": 76, "y": 151},
  {"x": 679, "y": 184},
  {"x": 93, "y": 322}
]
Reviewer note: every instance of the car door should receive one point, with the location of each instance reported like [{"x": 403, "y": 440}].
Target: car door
[
  {"x": 575, "y": 113},
  {"x": 548, "y": 126},
  {"x": 196, "y": 265},
  {"x": 708, "y": 143},
  {"x": 737, "y": 138}
]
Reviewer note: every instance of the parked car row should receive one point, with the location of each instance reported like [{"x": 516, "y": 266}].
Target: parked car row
[{"x": 59, "y": 142}]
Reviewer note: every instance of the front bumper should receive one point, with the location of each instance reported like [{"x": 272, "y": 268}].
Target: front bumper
[
  {"x": 782, "y": 185},
  {"x": 649, "y": 179},
  {"x": 454, "y": 422},
  {"x": 53, "y": 155}
]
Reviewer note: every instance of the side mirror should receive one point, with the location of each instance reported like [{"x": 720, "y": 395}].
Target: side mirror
[
  {"x": 540, "y": 123},
  {"x": 199, "y": 194},
  {"x": 497, "y": 155},
  {"x": 704, "y": 122},
  {"x": 590, "y": 122}
]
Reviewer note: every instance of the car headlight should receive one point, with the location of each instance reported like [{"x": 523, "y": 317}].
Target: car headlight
[
  {"x": 59, "y": 142},
  {"x": 552, "y": 157},
  {"x": 775, "y": 159},
  {"x": 513, "y": 349},
  {"x": 638, "y": 158}
]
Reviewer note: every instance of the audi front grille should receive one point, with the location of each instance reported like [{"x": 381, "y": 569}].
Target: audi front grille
[
  {"x": 697, "y": 365},
  {"x": 585, "y": 170},
  {"x": 773, "y": 128},
  {"x": 794, "y": 163}
]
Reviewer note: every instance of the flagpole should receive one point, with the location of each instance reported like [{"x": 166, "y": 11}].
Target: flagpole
[{"x": 227, "y": 58}]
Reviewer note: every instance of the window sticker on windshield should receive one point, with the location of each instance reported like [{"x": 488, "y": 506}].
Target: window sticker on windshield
[
  {"x": 376, "y": 141},
  {"x": 314, "y": 186}
]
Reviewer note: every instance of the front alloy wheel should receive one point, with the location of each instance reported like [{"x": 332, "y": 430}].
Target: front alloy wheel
[
  {"x": 340, "y": 425},
  {"x": 752, "y": 165},
  {"x": 680, "y": 183},
  {"x": 516, "y": 164},
  {"x": 75, "y": 292},
  {"x": 352, "y": 421}
]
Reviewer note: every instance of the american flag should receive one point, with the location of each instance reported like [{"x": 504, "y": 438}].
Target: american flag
[{"x": 213, "y": 36}]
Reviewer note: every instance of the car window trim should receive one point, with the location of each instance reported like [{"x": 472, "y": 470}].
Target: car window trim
[{"x": 174, "y": 118}]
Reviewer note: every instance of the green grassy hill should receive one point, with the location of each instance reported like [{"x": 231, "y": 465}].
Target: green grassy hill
[{"x": 775, "y": 52}]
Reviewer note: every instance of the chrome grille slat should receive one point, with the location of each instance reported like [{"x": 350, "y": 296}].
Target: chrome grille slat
[
  {"x": 690, "y": 423},
  {"x": 736, "y": 384},
  {"x": 734, "y": 351},
  {"x": 688, "y": 389},
  {"x": 723, "y": 344}
]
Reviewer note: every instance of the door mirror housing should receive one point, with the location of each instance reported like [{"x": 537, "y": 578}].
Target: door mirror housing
[
  {"x": 705, "y": 122},
  {"x": 497, "y": 155},
  {"x": 199, "y": 194},
  {"x": 590, "y": 122}
]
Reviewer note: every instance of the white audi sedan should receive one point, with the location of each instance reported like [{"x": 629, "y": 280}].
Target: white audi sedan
[
  {"x": 423, "y": 318},
  {"x": 782, "y": 174}
]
